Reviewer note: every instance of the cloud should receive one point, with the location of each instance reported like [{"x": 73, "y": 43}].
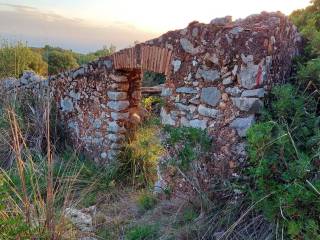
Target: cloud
[{"x": 39, "y": 28}]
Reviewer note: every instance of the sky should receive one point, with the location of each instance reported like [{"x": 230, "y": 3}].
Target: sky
[{"x": 87, "y": 25}]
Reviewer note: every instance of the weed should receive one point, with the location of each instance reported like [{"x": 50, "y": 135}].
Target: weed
[
  {"x": 146, "y": 201},
  {"x": 140, "y": 156},
  {"x": 189, "y": 144},
  {"x": 152, "y": 78},
  {"x": 167, "y": 191},
  {"x": 190, "y": 135},
  {"x": 32, "y": 190},
  {"x": 149, "y": 102},
  {"x": 189, "y": 214},
  {"x": 145, "y": 232},
  {"x": 186, "y": 155}
]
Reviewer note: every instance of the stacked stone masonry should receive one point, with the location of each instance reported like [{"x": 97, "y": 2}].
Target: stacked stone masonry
[{"x": 217, "y": 75}]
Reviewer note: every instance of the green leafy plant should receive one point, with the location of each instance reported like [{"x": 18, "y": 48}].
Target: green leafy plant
[
  {"x": 152, "y": 78},
  {"x": 189, "y": 143},
  {"x": 192, "y": 135},
  {"x": 307, "y": 20},
  {"x": 309, "y": 73},
  {"x": 283, "y": 163},
  {"x": 60, "y": 61},
  {"x": 149, "y": 102},
  {"x": 142, "y": 232},
  {"x": 17, "y": 57},
  {"x": 146, "y": 201},
  {"x": 189, "y": 214}
]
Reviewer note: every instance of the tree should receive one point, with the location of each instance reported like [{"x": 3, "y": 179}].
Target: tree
[
  {"x": 38, "y": 64},
  {"x": 308, "y": 22},
  {"x": 85, "y": 58},
  {"x": 17, "y": 57},
  {"x": 105, "y": 51},
  {"x": 60, "y": 61}
]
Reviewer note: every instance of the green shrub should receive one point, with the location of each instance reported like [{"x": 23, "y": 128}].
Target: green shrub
[
  {"x": 307, "y": 20},
  {"x": 146, "y": 201},
  {"x": 192, "y": 135},
  {"x": 150, "y": 102},
  {"x": 145, "y": 232},
  {"x": 185, "y": 156},
  {"x": 189, "y": 143},
  {"x": 189, "y": 214},
  {"x": 310, "y": 73},
  {"x": 152, "y": 78},
  {"x": 60, "y": 61},
  {"x": 283, "y": 158},
  {"x": 17, "y": 57}
]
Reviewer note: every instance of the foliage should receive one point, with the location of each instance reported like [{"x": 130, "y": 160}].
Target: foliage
[
  {"x": 146, "y": 201},
  {"x": 141, "y": 153},
  {"x": 60, "y": 61},
  {"x": 189, "y": 144},
  {"x": 151, "y": 79},
  {"x": 192, "y": 135},
  {"x": 307, "y": 20},
  {"x": 80, "y": 58},
  {"x": 309, "y": 73},
  {"x": 12, "y": 225},
  {"x": 283, "y": 152},
  {"x": 142, "y": 232},
  {"x": 24, "y": 183},
  {"x": 149, "y": 103},
  {"x": 189, "y": 214},
  {"x": 17, "y": 57},
  {"x": 85, "y": 58}
]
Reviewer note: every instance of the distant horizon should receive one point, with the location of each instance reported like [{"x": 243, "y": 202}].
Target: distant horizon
[{"x": 84, "y": 27}]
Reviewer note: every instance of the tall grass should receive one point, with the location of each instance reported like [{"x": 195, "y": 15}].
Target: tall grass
[
  {"x": 141, "y": 153},
  {"x": 37, "y": 209},
  {"x": 39, "y": 183}
]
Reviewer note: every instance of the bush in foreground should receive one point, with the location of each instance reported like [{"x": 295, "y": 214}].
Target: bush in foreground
[{"x": 283, "y": 152}]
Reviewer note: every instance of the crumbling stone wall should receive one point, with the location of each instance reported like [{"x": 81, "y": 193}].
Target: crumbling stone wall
[
  {"x": 217, "y": 75},
  {"x": 29, "y": 81}
]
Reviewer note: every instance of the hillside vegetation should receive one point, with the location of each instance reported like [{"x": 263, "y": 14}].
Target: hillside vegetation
[
  {"x": 17, "y": 57},
  {"x": 284, "y": 146}
]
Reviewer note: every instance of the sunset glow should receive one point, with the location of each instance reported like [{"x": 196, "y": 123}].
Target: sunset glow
[{"x": 139, "y": 20}]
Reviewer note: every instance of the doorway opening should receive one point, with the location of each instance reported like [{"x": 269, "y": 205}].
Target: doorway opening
[{"x": 152, "y": 84}]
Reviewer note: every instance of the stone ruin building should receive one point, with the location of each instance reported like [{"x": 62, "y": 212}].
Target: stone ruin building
[{"x": 217, "y": 75}]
